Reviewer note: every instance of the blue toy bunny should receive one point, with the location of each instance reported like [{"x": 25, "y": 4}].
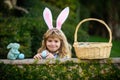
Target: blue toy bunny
[{"x": 14, "y": 53}]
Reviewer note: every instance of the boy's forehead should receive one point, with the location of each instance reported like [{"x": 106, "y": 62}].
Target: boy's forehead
[{"x": 53, "y": 38}]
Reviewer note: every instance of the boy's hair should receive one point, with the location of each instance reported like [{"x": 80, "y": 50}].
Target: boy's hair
[{"x": 65, "y": 49}]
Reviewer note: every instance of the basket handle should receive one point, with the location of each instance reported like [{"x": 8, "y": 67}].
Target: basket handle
[{"x": 93, "y": 19}]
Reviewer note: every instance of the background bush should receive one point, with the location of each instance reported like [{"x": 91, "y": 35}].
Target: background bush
[
  {"x": 60, "y": 71},
  {"x": 28, "y": 29}
]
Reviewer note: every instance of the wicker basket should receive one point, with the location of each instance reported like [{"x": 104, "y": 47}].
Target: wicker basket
[{"x": 92, "y": 50}]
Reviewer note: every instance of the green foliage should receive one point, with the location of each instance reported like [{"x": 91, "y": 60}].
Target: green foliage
[
  {"x": 15, "y": 30},
  {"x": 63, "y": 3},
  {"x": 27, "y": 32},
  {"x": 115, "y": 49},
  {"x": 60, "y": 71},
  {"x": 28, "y": 29}
]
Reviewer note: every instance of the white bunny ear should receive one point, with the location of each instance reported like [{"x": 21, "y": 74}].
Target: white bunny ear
[
  {"x": 62, "y": 17},
  {"x": 48, "y": 17}
]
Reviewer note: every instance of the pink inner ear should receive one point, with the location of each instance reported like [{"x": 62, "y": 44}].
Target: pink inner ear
[
  {"x": 58, "y": 24},
  {"x": 48, "y": 19}
]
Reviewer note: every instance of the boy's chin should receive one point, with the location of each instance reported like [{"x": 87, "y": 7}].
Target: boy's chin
[{"x": 53, "y": 51}]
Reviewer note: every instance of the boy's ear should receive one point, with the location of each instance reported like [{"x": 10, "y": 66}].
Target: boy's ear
[
  {"x": 62, "y": 17},
  {"x": 47, "y": 15}
]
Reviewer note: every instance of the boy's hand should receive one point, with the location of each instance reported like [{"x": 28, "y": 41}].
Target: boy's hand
[
  {"x": 49, "y": 55},
  {"x": 37, "y": 56}
]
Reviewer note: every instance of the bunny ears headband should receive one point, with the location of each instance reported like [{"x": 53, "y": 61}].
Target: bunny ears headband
[{"x": 47, "y": 15}]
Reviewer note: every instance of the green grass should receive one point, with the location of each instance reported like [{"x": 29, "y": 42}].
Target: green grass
[{"x": 115, "y": 50}]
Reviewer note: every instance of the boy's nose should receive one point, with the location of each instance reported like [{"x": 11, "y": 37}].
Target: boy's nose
[{"x": 53, "y": 43}]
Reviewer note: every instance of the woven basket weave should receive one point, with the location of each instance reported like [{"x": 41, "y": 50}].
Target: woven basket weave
[{"x": 92, "y": 50}]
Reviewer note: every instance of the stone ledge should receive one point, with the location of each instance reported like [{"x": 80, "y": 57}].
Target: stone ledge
[{"x": 53, "y": 61}]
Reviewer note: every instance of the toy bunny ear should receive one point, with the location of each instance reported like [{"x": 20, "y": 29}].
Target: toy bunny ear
[
  {"x": 9, "y": 46},
  {"x": 62, "y": 17},
  {"x": 48, "y": 17}
]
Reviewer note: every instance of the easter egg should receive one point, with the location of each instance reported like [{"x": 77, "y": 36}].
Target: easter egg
[
  {"x": 21, "y": 56},
  {"x": 44, "y": 54}
]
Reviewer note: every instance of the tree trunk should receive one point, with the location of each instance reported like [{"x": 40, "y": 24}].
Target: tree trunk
[{"x": 113, "y": 19}]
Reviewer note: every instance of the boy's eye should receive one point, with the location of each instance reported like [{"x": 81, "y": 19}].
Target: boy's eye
[
  {"x": 49, "y": 40},
  {"x": 56, "y": 41}
]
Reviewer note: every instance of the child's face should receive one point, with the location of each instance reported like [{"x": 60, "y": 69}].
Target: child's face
[{"x": 53, "y": 44}]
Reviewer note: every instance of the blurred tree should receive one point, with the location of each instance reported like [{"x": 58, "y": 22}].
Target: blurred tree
[
  {"x": 113, "y": 8},
  {"x": 13, "y": 8},
  {"x": 12, "y": 4},
  {"x": 107, "y": 10},
  {"x": 61, "y": 4}
]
